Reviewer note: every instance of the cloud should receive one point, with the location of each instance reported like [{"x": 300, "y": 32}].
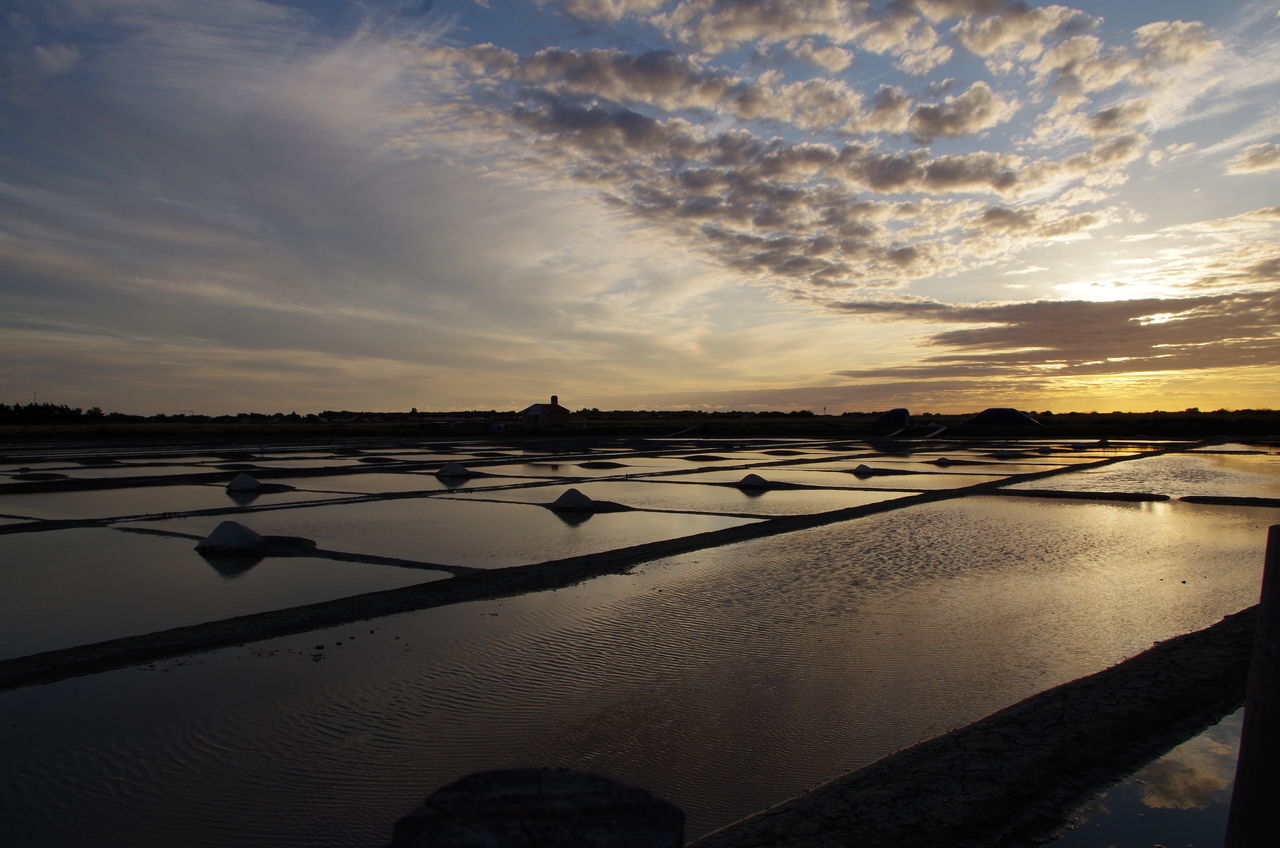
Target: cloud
[
  {"x": 396, "y": 188},
  {"x": 56, "y": 59},
  {"x": 648, "y": 133},
  {"x": 1117, "y": 119},
  {"x": 896, "y": 29},
  {"x": 661, "y": 79},
  {"x": 1255, "y": 158},
  {"x": 1161, "y": 56},
  {"x": 783, "y": 209},
  {"x": 768, "y": 207},
  {"x": 610, "y": 11},
  {"x": 1254, "y": 224},
  {"x": 765, "y": 206},
  {"x": 1170, "y": 44},
  {"x": 829, "y": 56},
  {"x": 941, "y": 10},
  {"x": 715, "y": 25},
  {"x": 771, "y": 207},
  {"x": 977, "y": 109},
  {"x": 281, "y": 220},
  {"x": 1065, "y": 339},
  {"x": 920, "y": 62},
  {"x": 1018, "y": 31},
  {"x": 1102, "y": 165},
  {"x": 1046, "y": 222}
]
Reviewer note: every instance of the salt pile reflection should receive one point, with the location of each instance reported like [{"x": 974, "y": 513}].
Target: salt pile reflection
[{"x": 725, "y": 679}]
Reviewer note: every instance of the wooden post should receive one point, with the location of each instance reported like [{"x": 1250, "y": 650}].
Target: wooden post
[{"x": 1254, "y": 819}]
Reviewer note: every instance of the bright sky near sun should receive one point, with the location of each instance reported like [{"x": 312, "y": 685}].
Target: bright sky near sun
[{"x": 764, "y": 204}]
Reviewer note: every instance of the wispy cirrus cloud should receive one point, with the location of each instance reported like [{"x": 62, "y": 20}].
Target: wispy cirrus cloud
[{"x": 1254, "y": 159}]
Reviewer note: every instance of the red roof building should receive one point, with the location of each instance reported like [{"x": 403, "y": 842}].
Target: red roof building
[{"x": 544, "y": 414}]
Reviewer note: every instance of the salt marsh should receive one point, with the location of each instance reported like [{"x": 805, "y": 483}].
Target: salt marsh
[{"x": 726, "y": 678}]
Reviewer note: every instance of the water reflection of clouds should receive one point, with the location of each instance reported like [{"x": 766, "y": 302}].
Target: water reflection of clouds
[
  {"x": 1184, "y": 794},
  {"x": 1193, "y": 776}
]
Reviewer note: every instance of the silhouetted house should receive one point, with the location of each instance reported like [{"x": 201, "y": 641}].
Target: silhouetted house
[
  {"x": 544, "y": 414},
  {"x": 1002, "y": 416}
]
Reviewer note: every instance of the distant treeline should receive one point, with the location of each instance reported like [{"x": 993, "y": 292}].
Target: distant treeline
[
  {"x": 40, "y": 413},
  {"x": 49, "y": 413},
  {"x": 43, "y": 420}
]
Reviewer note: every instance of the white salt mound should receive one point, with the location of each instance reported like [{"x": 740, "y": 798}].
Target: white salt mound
[
  {"x": 573, "y": 499},
  {"x": 230, "y": 535},
  {"x": 453, "y": 469},
  {"x": 244, "y": 482},
  {"x": 753, "y": 481}
]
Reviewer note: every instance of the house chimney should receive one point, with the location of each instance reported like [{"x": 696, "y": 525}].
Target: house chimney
[{"x": 555, "y": 400}]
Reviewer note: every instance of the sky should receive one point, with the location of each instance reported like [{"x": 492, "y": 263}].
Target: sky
[{"x": 838, "y": 206}]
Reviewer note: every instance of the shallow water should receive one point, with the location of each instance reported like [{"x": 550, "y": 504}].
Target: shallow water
[
  {"x": 702, "y": 498},
  {"x": 143, "y": 500},
  {"x": 1055, "y": 458},
  {"x": 755, "y": 456},
  {"x": 72, "y": 587},
  {"x": 553, "y": 469},
  {"x": 285, "y": 462},
  {"x": 424, "y": 455},
  {"x": 38, "y": 465},
  {"x": 1177, "y": 475},
  {"x": 378, "y": 482},
  {"x": 1239, "y": 447},
  {"x": 371, "y": 483},
  {"x": 919, "y": 463},
  {"x": 845, "y": 480},
  {"x": 453, "y": 532},
  {"x": 124, "y": 470},
  {"x": 725, "y": 679},
  {"x": 1183, "y": 798}
]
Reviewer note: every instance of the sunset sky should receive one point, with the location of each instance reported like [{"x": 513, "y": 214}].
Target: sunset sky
[{"x": 765, "y": 204}]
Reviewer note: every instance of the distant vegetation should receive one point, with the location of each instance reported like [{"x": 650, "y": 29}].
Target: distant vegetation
[
  {"x": 47, "y": 413},
  {"x": 46, "y": 420}
]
